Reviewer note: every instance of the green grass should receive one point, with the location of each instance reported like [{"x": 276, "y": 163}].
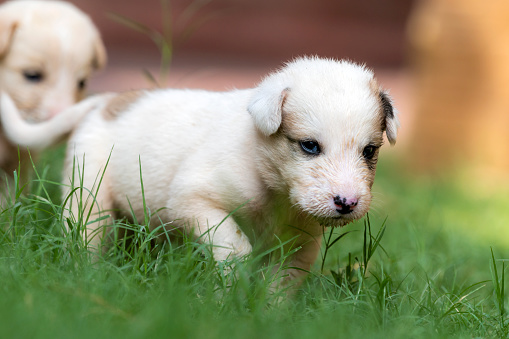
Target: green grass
[{"x": 427, "y": 263}]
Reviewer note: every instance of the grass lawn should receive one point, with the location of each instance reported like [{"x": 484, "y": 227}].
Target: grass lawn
[{"x": 432, "y": 275}]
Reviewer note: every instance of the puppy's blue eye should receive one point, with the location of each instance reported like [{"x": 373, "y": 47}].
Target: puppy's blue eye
[
  {"x": 33, "y": 76},
  {"x": 310, "y": 147}
]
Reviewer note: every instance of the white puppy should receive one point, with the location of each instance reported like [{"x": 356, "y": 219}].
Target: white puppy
[
  {"x": 289, "y": 157},
  {"x": 48, "y": 49}
]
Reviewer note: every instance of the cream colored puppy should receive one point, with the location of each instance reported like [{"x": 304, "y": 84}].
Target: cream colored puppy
[
  {"x": 48, "y": 50},
  {"x": 241, "y": 168}
]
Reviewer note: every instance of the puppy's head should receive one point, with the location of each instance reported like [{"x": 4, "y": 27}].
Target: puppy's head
[
  {"x": 321, "y": 124},
  {"x": 48, "y": 50}
]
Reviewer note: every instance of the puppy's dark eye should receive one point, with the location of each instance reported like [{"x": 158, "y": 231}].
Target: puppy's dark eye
[
  {"x": 82, "y": 84},
  {"x": 369, "y": 152},
  {"x": 33, "y": 76},
  {"x": 310, "y": 147}
]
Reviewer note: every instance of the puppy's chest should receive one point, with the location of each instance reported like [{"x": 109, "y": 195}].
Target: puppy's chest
[{"x": 267, "y": 220}]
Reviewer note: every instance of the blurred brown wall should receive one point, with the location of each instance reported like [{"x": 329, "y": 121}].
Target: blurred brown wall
[{"x": 370, "y": 31}]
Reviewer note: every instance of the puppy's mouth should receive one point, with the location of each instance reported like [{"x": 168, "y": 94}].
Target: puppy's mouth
[
  {"x": 340, "y": 219},
  {"x": 337, "y": 215},
  {"x": 337, "y": 221}
]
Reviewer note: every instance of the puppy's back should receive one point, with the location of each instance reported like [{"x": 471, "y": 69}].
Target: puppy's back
[{"x": 179, "y": 134}]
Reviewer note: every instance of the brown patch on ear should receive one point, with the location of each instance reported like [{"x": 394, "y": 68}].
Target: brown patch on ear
[
  {"x": 388, "y": 119},
  {"x": 374, "y": 87},
  {"x": 120, "y": 103},
  {"x": 376, "y": 91},
  {"x": 383, "y": 97},
  {"x": 7, "y": 30},
  {"x": 385, "y": 102}
]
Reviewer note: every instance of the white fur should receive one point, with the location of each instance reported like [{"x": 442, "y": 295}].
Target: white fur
[
  {"x": 41, "y": 135},
  {"x": 205, "y": 154}
]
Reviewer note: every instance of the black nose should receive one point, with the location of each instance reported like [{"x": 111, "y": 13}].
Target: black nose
[{"x": 345, "y": 205}]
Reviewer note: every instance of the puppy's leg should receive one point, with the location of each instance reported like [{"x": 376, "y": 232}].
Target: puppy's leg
[
  {"x": 298, "y": 266},
  {"x": 302, "y": 260},
  {"x": 215, "y": 227}
]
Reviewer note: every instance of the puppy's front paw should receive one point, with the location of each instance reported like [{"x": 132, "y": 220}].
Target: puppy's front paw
[{"x": 233, "y": 248}]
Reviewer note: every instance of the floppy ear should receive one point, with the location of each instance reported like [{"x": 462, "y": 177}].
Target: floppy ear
[
  {"x": 266, "y": 105},
  {"x": 390, "y": 116},
  {"x": 100, "y": 56},
  {"x": 7, "y": 29}
]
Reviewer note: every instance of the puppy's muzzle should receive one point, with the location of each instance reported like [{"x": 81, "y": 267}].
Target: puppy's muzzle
[{"x": 345, "y": 205}]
